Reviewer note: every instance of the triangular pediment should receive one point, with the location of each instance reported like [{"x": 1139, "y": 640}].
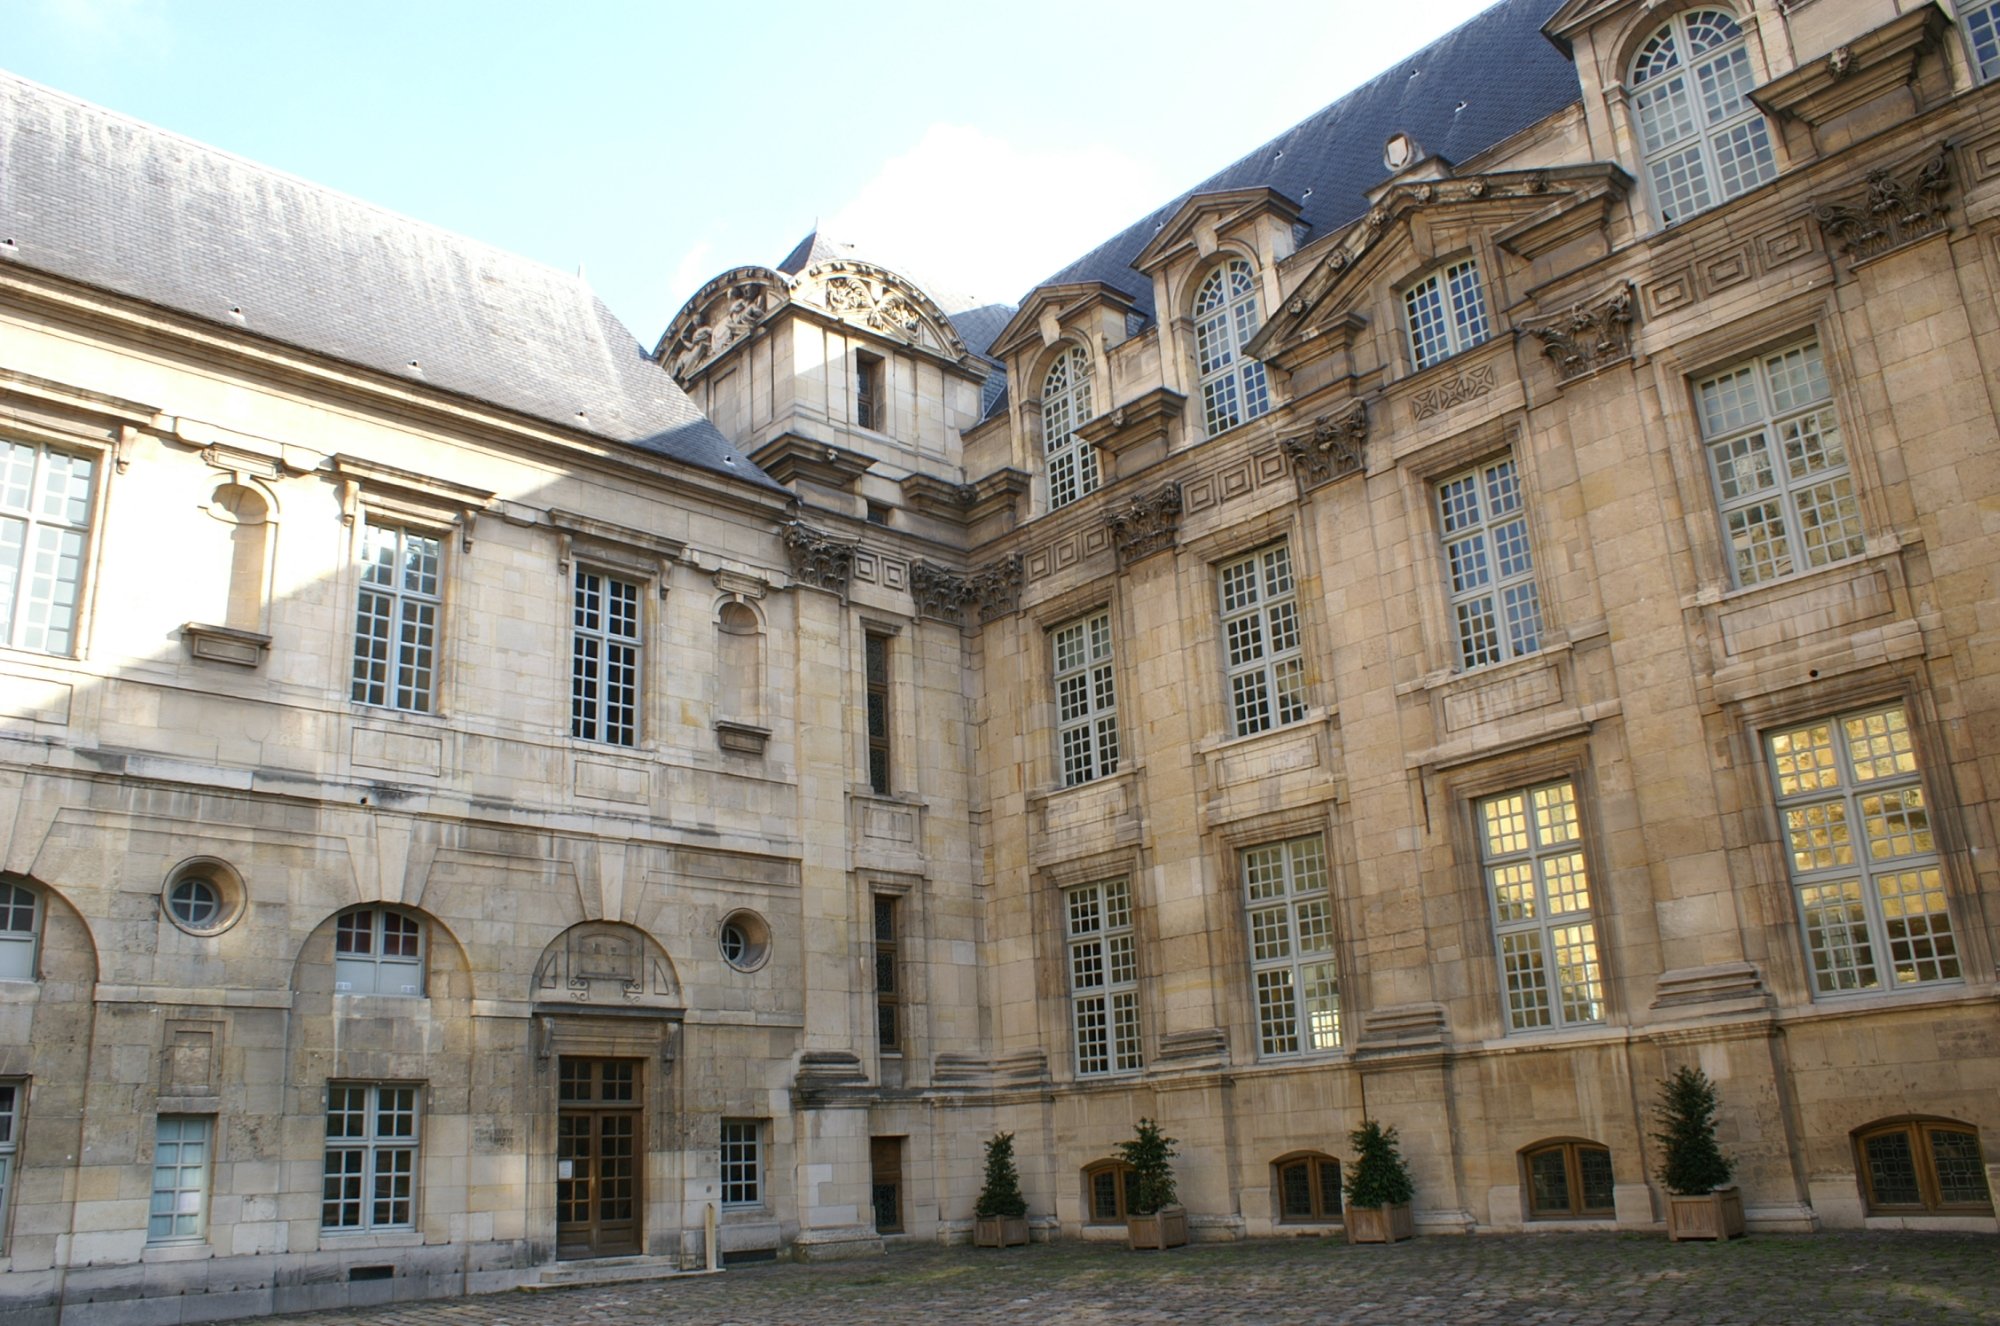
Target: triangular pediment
[
  {"x": 1211, "y": 212},
  {"x": 1050, "y": 304},
  {"x": 1524, "y": 211}
]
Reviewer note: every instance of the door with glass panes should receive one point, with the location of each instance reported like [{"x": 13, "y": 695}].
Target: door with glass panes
[{"x": 600, "y": 1117}]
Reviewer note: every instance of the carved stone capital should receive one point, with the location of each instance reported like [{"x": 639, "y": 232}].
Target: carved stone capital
[
  {"x": 1899, "y": 205},
  {"x": 940, "y": 593},
  {"x": 817, "y": 560},
  {"x": 996, "y": 587},
  {"x": 1331, "y": 449},
  {"x": 1587, "y": 335},
  {"x": 1148, "y": 525}
]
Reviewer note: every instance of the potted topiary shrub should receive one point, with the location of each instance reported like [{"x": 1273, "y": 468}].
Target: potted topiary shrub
[
  {"x": 1153, "y": 1217},
  {"x": 1000, "y": 1216},
  {"x": 1378, "y": 1188},
  {"x": 1701, "y": 1202}
]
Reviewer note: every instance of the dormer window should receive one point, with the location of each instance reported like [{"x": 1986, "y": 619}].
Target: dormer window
[
  {"x": 1982, "y": 34},
  {"x": 1234, "y": 389},
  {"x": 1065, "y": 404},
  {"x": 1447, "y": 314},
  {"x": 1703, "y": 140},
  {"x": 869, "y": 405}
]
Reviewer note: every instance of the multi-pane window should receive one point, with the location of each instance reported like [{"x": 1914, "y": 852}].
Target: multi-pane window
[
  {"x": 371, "y": 1157},
  {"x": 1863, "y": 862},
  {"x": 1234, "y": 389},
  {"x": 742, "y": 1162},
  {"x": 1110, "y": 1185},
  {"x": 1291, "y": 946},
  {"x": 1703, "y": 139},
  {"x": 1924, "y": 1165},
  {"x": 180, "y": 1179},
  {"x": 1086, "y": 699},
  {"x": 1569, "y": 1181},
  {"x": 1982, "y": 35},
  {"x": 1496, "y": 609},
  {"x": 20, "y": 928},
  {"x": 888, "y": 982},
  {"x": 1531, "y": 844},
  {"x": 1447, "y": 313},
  {"x": 12, "y": 1095},
  {"x": 396, "y": 618},
  {"x": 1260, "y": 629},
  {"x": 604, "y": 659},
  {"x": 1065, "y": 404},
  {"x": 45, "y": 501},
  {"x": 1779, "y": 464},
  {"x": 1103, "y": 977},
  {"x": 875, "y": 663},
  {"x": 378, "y": 951},
  {"x": 1309, "y": 1188}
]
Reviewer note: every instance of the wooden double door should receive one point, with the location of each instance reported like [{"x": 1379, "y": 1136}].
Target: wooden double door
[{"x": 600, "y": 1157}]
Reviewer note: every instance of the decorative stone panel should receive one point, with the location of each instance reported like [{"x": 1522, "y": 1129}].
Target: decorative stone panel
[
  {"x": 1331, "y": 449},
  {"x": 1149, "y": 525},
  {"x": 818, "y": 560}
]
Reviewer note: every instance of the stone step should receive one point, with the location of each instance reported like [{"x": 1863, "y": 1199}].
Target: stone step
[{"x": 611, "y": 1271}]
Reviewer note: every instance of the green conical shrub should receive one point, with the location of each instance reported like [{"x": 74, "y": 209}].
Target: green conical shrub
[
  {"x": 1692, "y": 1163},
  {"x": 1378, "y": 1176},
  {"x": 1002, "y": 1194},
  {"x": 1149, "y": 1154}
]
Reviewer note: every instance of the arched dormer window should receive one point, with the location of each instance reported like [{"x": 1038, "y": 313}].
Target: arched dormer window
[
  {"x": 1703, "y": 140},
  {"x": 1233, "y": 389},
  {"x": 1065, "y": 404}
]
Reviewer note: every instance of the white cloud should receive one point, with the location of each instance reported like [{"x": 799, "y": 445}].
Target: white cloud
[{"x": 980, "y": 217}]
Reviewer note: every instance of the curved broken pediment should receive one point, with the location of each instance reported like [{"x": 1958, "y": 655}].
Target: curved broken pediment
[
  {"x": 606, "y": 962},
  {"x": 883, "y": 302},
  {"x": 721, "y": 314}
]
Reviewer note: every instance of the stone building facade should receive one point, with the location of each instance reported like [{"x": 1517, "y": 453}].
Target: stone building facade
[{"x": 1485, "y": 601}]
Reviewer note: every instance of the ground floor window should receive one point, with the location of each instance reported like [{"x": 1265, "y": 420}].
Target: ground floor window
[
  {"x": 1569, "y": 1181},
  {"x": 1308, "y": 1188},
  {"x": 742, "y": 1162},
  {"x": 180, "y": 1179},
  {"x": 1108, "y": 1188},
  {"x": 371, "y": 1157},
  {"x": 1915, "y": 1165}
]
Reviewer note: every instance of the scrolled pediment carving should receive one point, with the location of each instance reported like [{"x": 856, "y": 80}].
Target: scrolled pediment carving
[
  {"x": 1331, "y": 449},
  {"x": 721, "y": 314},
  {"x": 883, "y": 302},
  {"x": 1587, "y": 335},
  {"x": 1147, "y": 524},
  {"x": 1899, "y": 205}
]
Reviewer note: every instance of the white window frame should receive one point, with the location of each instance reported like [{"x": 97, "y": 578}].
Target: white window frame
[
  {"x": 1086, "y": 699},
  {"x": 1778, "y": 465},
  {"x": 13, "y": 1095},
  {"x": 1489, "y": 563},
  {"x": 1066, "y": 404},
  {"x": 183, "y": 1161},
  {"x": 1294, "y": 977},
  {"x": 373, "y": 1145},
  {"x": 1867, "y": 877},
  {"x": 607, "y": 656},
  {"x": 1262, "y": 640},
  {"x": 1445, "y": 313},
  {"x": 1537, "y": 882},
  {"x": 22, "y": 915},
  {"x": 1980, "y": 25},
  {"x": 47, "y": 499},
  {"x": 362, "y": 962},
  {"x": 1234, "y": 388},
  {"x": 742, "y": 1164},
  {"x": 1102, "y": 949},
  {"x": 1698, "y": 156},
  {"x": 398, "y": 617}
]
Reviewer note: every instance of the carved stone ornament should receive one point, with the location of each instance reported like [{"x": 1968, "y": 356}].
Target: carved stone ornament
[
  {"x": 1332, "y": 449},
  {"x": 1587, "y": 336},
  {"x": 883, "y": 302},
  {"x": 940, "y": 593},
  {"x": 817, "y": 560},
  {"x": 1899, "y": 206},
  {"x": 996, "y": 587},
  {"x": 1468, "y": 386},
  {"x": 603, "y": 961},
  {"x": 722, "y": 314},
  {"x": 1148, "y": 525}
]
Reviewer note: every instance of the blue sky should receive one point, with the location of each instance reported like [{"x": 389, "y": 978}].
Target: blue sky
[{"x": 656, "y": 144}]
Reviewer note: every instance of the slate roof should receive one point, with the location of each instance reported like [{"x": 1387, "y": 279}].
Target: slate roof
[
  {"x": 1488, "y": 79},
  {"x": 120, "y": 205}
]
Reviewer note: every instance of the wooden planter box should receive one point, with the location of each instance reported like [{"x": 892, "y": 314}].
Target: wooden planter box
[
  {"x": 1380, "y": 1224},
  {"x": 1167, "y": 1229},
  {"x": 999, "y": 1231},
  {"x": 1716, "y": 1215}
]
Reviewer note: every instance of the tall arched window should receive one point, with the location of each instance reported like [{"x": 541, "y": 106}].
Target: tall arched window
[
  {"x": 1233, "y": 388},
  {"x": 1703, "y": 140},
  {"x": 1065, "y": 404}
]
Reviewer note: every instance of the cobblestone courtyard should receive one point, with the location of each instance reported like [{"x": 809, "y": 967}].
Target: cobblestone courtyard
[{"x": 1900, "y": 1279}]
